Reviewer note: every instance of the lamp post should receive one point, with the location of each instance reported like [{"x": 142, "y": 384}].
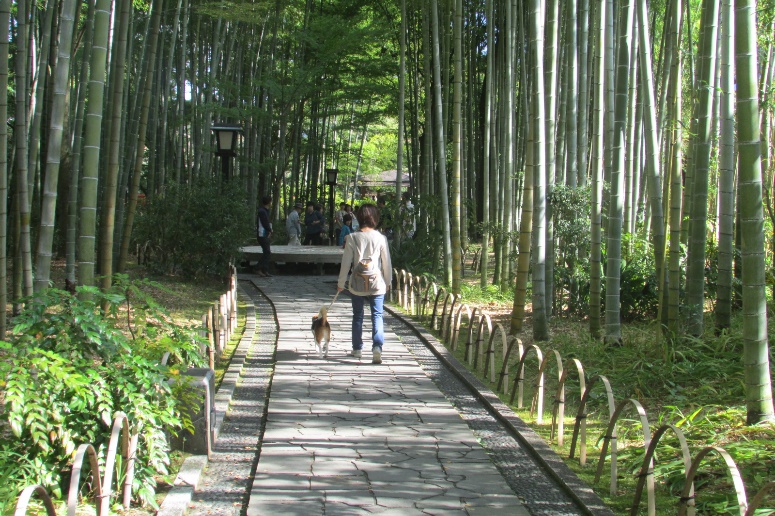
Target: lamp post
[
  {"x": 226, "y": 140},
  {"x": 331, "y": 182}
]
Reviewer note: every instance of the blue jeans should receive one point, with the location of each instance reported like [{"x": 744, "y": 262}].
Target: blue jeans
[{"x": 377, "y": 331}]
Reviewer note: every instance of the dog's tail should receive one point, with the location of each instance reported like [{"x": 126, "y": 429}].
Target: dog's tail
[{"x": 323, "y": 313}]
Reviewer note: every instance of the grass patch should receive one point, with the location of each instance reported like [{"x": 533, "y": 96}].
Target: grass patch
[{"x": 186, "y": 301}]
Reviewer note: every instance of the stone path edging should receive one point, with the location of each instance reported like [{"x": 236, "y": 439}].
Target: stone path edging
[{"x": 187, "y": 480}]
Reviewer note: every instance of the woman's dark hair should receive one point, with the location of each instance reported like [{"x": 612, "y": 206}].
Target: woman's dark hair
[
  {"x": 347, "y": 218},
  {"x": 266, "y": 199},
  {"x": 368, "y": 216}
]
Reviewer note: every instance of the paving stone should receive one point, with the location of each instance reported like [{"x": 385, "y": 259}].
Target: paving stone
[
  {"x": 294, "y": 508},
  {"x": 264, "y": 481}
]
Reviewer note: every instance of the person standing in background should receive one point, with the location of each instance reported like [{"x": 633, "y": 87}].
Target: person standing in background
[
  {"x": 325, "y": 224},
  {"x": 313, "y": 223},
  {"x": 408, "y": 223},
  {"x": 351, "y": 213},
  {"x": 293, "y": 225},
  {"x": 347, "y": 228},
  {"x": 385, "y": 219},
  {"x": 338, "y": 220},
  {"x": 263, "y": 235}
]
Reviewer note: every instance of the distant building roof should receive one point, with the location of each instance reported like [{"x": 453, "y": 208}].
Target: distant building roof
[{"x": 384, "y": 179}]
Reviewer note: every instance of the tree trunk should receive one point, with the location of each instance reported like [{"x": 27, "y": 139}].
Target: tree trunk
[
  {"x": 135, "y": 185},
  {"x": 71, "y": 240},
  {"x": 24, "y": 252},
  {"x": 676, "y": 184},
  {"x": 440, "y": 143},
  {"x": 758, "y": 383},
  {"x": 651, "y": 130},
  {"x": 513, "y": 29},
  {"x": 726, "y": 186},
  {"x": 525, "y": 234},
  {"x": 5, "y": 23},
  {"x": 540, "y": 326},
  {"x": 39, "y": 82},
  {"x": 597, "y": 171},
  {"x": 54, "y": 151},
  {"x": 571, "y": 120},
  {"x": 110, "y": 188},
  {"x": 91, "y": 153},
  {"x": 551, "y": 73},
  {"x": 401, "y": 103},
  {"x": 701, "y": 150},
  {"x": 632, "y": 168},
  {"x": 484, "y": 256},
  {"x": 583, "y": 120},
  {"x": 457, "y": 143},
  {"x": 166, "y": 163},
  {"x": 613, "y": 334},
  {"x": 426, "y": 185}
]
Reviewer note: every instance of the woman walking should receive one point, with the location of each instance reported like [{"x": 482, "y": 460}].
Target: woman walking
[{"x": 366, "y": 252}]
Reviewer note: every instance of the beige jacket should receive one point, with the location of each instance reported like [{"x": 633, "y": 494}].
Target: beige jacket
[{"x": 366, "y": 244}]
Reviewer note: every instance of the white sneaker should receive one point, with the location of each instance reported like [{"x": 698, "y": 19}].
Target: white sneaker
[
  {"x": 355, "y": 353},
  {"x": 376, "y": 357}
]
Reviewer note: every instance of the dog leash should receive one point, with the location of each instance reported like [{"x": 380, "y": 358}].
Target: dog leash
[{"x": 334, "y": 301}]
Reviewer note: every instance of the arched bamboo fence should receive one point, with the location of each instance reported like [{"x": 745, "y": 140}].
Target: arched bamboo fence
[
  {"x": 458, "y": 320},
  {"x": 121, "y": 442},
  {"x": 447, "y": 315}
]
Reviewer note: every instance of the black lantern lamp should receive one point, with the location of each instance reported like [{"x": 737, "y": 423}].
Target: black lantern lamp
[
  {"x": 226, "y": 137},
  {"x": 331, "y": 182}
]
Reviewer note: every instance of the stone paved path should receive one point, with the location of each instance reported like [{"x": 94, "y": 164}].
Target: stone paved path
[
  {"x": 344, "y": 436},
  {"x": 304, "y": 435}
]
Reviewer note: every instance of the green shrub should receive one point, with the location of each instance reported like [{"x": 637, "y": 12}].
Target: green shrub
[
  {"x": 712, "y": 274},
  {"x": 638, "y": 282},
  {"x": 639, "y": 294},
  {"x": 571, "y": 211},
  {"x": 194, "y": 229},
  {"x": 69, "y": 366},
  {"x": 424, "y": 251}
]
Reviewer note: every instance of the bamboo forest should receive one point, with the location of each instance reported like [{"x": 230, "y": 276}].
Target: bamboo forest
[{"x": 601, "y": 171}]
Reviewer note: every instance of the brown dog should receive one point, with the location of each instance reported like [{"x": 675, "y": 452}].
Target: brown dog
[{"x": 322, "y": 332}]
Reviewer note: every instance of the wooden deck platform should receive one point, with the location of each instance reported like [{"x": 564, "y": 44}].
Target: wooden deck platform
[{"x": 297, "y": 254}]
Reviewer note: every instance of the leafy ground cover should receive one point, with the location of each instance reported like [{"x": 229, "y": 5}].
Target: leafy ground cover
[
  {"x": 187, "y": 302},
  {"x": 88, "y": 363}
]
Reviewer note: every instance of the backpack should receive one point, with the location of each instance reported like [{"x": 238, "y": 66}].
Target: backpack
[{"x": 365, "y": 276}]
